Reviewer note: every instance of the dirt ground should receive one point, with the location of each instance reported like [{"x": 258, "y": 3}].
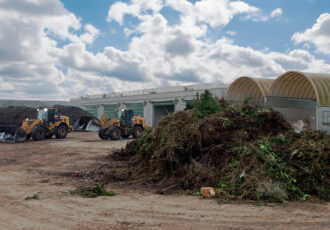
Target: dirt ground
[{"x": 42, "y": 167}]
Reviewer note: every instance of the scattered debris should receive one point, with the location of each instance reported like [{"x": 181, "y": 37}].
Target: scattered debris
[
  {"x": 207, "y": 192},
  {"x": 93, "y": 191},
  {"x": 300, "y": 125},
  {"x": 34, "y": 197}
]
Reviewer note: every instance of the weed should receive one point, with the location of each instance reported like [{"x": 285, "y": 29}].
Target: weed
[
  {"x": 195, "y": 192},
  {"x": 278, "y": 169},
  {"x": 93, "y": 191},
  {"x": 272, "y": 191}
]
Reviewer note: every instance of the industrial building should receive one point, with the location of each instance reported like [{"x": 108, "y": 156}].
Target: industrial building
[
  {"x": 151, "y": 104},
  {"x": 297, "y": 95}
]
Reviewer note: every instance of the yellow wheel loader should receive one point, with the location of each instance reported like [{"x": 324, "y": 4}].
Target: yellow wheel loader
[
  {"x": 126, "y": 125},
  {"x": 45, "y": 126}
]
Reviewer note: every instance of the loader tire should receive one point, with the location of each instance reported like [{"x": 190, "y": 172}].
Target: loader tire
[
  {"x": 137, "y": 132},
  {"x": 103, "y": 135},
  {"x": 61, "y": 131},
  {"x": 38, "y": 133},
  {"x": 114, "y": 133}
]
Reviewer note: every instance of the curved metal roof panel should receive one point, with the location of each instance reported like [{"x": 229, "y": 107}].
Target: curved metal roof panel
[
  {"x": 309, "y": 86},
  {"x": 248, "y": 87}
]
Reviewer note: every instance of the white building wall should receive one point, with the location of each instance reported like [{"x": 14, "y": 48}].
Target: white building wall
[
  {"x": 324, "y": 119},
  {"x": 178, "y": 94}
]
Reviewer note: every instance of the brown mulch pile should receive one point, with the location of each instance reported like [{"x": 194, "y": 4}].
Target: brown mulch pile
[{"x": 243, "y": 151}]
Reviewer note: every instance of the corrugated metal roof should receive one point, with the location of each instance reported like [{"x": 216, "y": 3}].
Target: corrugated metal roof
[
  {"x": 310, "y": 86},
  {"x": 248, "y": 87}
]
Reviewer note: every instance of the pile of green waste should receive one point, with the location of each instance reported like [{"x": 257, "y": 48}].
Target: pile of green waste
[{"x": 245, "y": 152}]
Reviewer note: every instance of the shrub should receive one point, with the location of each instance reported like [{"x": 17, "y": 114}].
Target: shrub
[{"x": 207, "y": 105}]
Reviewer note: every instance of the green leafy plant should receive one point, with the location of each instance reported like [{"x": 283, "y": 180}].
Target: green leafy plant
[
  {"x": 93, "y": 191},
  {"x": 195, "y": 192},
  {"x": 207, "y": 105},
  {"x": 278, "y": 168}
]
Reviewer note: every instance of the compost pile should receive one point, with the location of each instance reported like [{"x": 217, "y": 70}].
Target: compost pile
[
  {"x": 74, "y": 113},
  {"x": 14, "y": 115},
  {"x": 243, "y": 151}
]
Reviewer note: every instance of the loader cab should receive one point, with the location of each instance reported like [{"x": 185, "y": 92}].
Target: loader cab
[
  {"x": 42, "y": 114},
  {"x": 47, "y": 115},
  {"x": 125, "y": 117}
]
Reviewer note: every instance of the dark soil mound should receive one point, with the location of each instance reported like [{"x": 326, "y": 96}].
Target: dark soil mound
[
  {"x": 243, "y": 151},
  {"x": 14, "y": 115},
  {"x": 73, "y": 112}
]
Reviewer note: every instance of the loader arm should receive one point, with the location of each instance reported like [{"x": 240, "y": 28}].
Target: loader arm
[
  {"x": 103, "y": 120},
  {"x": 106, "y": 123},
  {"x": 96, "y": 121},
  {"x": 28, "y": 127}
]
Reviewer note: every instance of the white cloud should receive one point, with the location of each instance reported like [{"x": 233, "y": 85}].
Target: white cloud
[
  {"x": 260, "y": 16},
  {"x": 319, "y": 34},
  {"x": 91, "y": 34},
  {"x": 32, "y": 63},
  {"x": 231, "y": 33},
  {"x": 212, "y": 12},
  {"x": 118, "y": 10},
  {"x": 180, "y": 50},
  {"x": 30, "y": 60},
  {"x": 276, "y": 13},
  {"x": 136, "y": 8}
]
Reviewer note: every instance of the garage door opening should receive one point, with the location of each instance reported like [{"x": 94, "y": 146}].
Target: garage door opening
[{"x": 162, "y": 109}]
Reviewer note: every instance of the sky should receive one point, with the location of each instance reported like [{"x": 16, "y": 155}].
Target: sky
[{"x": 61, "y": 49}]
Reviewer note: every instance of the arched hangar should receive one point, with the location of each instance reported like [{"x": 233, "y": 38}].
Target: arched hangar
[
  {"x": 302, "y": 96},
  {"x": 253, "y": 90}
]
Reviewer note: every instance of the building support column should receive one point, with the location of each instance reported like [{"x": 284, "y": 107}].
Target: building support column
[
  {"x": 148, "y": 112},
  {"x": 100, "y": 111}
]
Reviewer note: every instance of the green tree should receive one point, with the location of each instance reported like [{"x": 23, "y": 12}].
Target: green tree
[{"x": 207, "y": 105}]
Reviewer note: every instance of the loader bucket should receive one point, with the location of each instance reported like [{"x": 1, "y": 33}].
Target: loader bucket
[
  {"x": 92, "y": 126},
  {"x": 12, "y": 134},
  {"x": 85, "y": 123}
]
